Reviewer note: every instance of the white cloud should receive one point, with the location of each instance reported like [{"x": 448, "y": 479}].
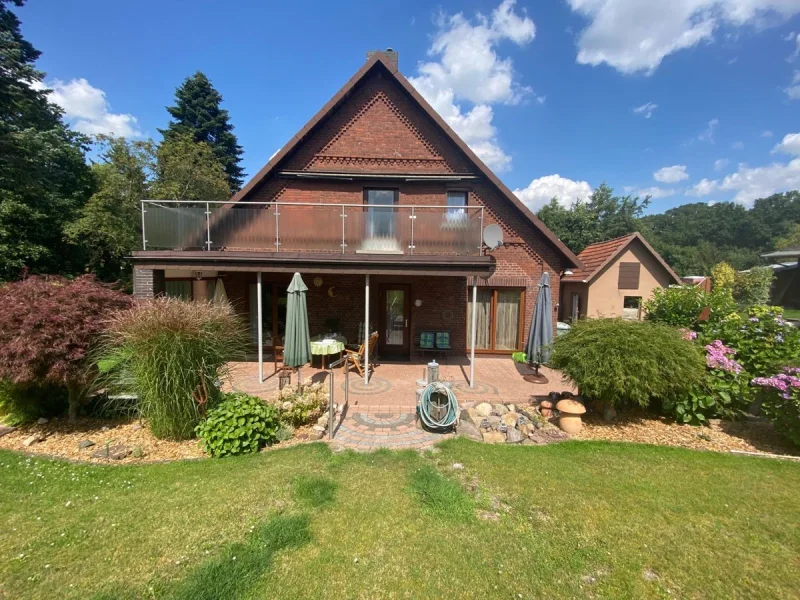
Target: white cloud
[
  {"x": 708, "y": 132},
  {"x": 793, "y": 56},
  {"x": 467, "y": 68},
  {"x": 751, "y": 183},
  {"x": 654, "y": 192},
  {"x": 540, "y": 191},
  {"x": 646, "y": 110},
  {"x": 672, "y": 174},
  {"x": 720, "y": 164},
  {"x": 87, "y": 110},
  {"x": 636, "y": 35},
  {"x": 789, "y": 145},
  {"x": 737, "y": 145},
  {"x": 766, "y": 133},
  {"x": 793, "y": 91}
]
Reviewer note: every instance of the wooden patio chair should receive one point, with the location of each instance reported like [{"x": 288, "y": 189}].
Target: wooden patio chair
[{"x": 357, "y": 358}]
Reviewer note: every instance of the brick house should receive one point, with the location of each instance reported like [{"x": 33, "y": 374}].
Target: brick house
[{"x": 381, "y": 208}]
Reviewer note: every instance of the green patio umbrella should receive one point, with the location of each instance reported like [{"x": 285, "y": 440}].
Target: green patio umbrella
[{"x": 297, "y": 344}]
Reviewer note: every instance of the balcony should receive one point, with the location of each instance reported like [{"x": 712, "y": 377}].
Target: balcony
[{"x": 348, "y": 229}]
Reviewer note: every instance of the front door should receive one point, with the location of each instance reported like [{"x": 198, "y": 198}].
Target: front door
[{"x": 393, "y": 313}]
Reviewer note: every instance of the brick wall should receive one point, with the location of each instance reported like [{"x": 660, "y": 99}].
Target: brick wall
[{"x": 147, "y": 283}]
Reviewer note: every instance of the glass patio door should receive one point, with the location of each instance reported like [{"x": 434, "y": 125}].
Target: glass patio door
[
  {"x": 393, "y": 330},
  {"x": 499, "y": 320}
]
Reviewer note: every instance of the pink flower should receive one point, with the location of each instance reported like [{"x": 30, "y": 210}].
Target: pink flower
[
  {"x": 718, "y": 358},
  {"x": 782, "y": 382},
  {"x": 688, "y": 334}
]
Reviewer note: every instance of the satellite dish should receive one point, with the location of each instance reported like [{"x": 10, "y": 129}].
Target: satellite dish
[{"x": 493, "y": 236}]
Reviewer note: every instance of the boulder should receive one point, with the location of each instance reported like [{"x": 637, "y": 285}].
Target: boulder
[
  {"x": 117, "y": 452},
  {"x": 493, "y": 437},
  {"x": 42, "y": 421},
  {"x": 472, "y": 416},
  {"x": 137, "y": 427},
  {"x": 33, "y": 439},
  {"x": 500, "y": 409},
  {"x": 316, "y": 434},
  {"x": 494, "y": 421},
  {"x": 484, "y": 409},
  {"x": 85, "y": 444},
  {"x": 510, "y": 419},
  {"x": 513, "y": 435},
  {"x": 323, "y": 421},
  {"x": 469, "y": 431},
  {"x": 511, "y": 407},
  {"x": 5, "y": 430},
  {"x": 318, "y": 428}
]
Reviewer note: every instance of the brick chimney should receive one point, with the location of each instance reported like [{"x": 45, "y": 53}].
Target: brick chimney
[{"x": 389, "y": 55}]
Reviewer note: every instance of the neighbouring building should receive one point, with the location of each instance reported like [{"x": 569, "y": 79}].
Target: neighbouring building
[
  {"x": 786, "y": 287},
  {"x": 381, "y": 207},
  {"x": 617, "y": 276}
]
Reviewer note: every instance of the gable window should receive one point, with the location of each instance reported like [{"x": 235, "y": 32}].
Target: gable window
[
  {"x": 456, "y": 201},
  {"x": 629, "y": 275}
]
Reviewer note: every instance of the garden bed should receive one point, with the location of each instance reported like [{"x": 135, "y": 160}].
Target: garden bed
[
  {"x": 135, "y": 442},
  {"x": 720, "y": 436}
]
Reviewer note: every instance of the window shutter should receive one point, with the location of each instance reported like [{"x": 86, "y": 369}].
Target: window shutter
[{"x": 629, "y": 275}]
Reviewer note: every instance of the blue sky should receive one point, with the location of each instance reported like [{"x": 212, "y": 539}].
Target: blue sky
[{"x": 544, "y": 91}]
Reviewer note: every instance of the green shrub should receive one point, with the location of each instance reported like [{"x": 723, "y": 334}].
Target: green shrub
[
  {"x": 240, "y": 424},
  {"x": 172, "y": 355},
  {"x": 753, "y": 287},
  {"x": 683, "y": 306},
  {"x": 300, "y": 406},
  {"x": 780, "y": 401},
  {"x": 20, "y": 404},
  {"x": 764, "y": 342},
  {"x": 627, "y": 362}
]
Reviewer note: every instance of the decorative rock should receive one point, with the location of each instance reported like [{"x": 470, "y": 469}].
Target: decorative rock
[
  {"x": 471, "y": 415},
  {"x": 5, "y": 430},
  {"x": 500, "y": 409},
  {"x": 105, "y": 428},
  {"x": 42, "y": 421},
  {"x": 323, "y": 421},
  {"x": 318, "y": 428},
  {"x": 137, "y": 427},
  {"x": 469, "y": 431},
  {"x": 494, "y": 421},
  {"x": 457, "y": 467},
  {"x": 513, "y": 435},
  {"x": 494, "y": 437},
  {"x": 34, "y": 439},
  {"x": 85, "y": 444},
  {"x": 112, "y": 452},
  {"x": 609, "y": 413},
  {"x": 484, "y": 409},
  {"x": 527, "y": 428},
  {"x": 317, "y": 434},
  {"x": 650, "y": 575},
  {"x": 512, "y": 407},
  {"x": 510, "y": 419},
  {"x": 548, "y": 435}
]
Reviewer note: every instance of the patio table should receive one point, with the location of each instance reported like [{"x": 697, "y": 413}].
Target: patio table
[{"x": 327, "y": 346}]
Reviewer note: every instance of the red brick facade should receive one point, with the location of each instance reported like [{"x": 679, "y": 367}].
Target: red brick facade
[{"x": 379, "y": 127}]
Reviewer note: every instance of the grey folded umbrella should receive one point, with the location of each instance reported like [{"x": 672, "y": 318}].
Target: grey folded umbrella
[{"x": 541, "y": 336}]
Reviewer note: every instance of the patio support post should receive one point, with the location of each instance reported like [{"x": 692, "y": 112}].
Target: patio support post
[
  {"x": 474, "y": 332},
  {"x": 367, "y": 332},
  {"x": 260, "y": 331}
]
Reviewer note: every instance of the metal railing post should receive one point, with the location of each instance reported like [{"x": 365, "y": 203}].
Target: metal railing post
[
  {"x": 144, "y": 236},
  {"x": 344, "y": 241},
  {"x": 413, "y": 218},
  {"x": 277, "y": 229},
  {"x": 331, "y": 411},
  {"x": 208, "y": 227}
]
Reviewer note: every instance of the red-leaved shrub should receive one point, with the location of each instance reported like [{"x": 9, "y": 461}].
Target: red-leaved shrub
[{"x": 49, "y": 325}]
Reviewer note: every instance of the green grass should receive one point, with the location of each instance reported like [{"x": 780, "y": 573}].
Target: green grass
[
  {"x": 573, "y": 520},
  {"x": 791, "y": 313}
]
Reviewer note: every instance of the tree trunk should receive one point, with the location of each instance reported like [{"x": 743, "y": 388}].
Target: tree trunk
[{"x": 74, "y": 400}]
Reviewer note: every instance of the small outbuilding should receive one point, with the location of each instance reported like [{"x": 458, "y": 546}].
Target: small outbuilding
[{"x": 618, "y": 275}]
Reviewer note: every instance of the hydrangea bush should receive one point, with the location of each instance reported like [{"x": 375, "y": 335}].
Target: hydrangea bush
[
  {"x": 298, "y": 407},
  {"x": 781, "y": 400}
]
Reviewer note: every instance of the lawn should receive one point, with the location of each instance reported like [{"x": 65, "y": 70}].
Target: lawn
[
  {"x": 563, "y": 521},
  {"x": 791, "y": 313}
]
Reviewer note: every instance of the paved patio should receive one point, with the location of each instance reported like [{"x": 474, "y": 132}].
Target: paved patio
[{"x": 382, "y": 413}]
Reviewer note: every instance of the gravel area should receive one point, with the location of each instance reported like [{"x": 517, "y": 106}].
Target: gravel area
[
  {"x": 63, "y": 440},
  {"x": 720, "y": 436}
]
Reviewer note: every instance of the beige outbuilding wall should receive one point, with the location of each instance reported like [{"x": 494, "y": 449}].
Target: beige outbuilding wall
[{"x": 605, "y": 299}]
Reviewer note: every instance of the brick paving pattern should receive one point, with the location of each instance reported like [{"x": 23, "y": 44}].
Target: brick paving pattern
[{"x": 382, "y": 413}]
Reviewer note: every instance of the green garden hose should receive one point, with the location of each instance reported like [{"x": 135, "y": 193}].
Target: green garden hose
[{"x": 435, "y": 413}]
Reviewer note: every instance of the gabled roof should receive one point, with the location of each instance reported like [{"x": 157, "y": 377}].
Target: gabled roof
[
  {"x": 380, "y": 60},
  {"x": 596, "y": 257}
]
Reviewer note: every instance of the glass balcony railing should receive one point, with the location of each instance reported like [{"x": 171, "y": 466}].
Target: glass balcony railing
[{"x": 300, "y": 227}]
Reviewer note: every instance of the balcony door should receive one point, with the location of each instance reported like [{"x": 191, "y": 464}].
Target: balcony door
[
  {"x": 393, "y": 330},
  {"x": 499, "y": 320},
  {"x": 380, "y": 224}
]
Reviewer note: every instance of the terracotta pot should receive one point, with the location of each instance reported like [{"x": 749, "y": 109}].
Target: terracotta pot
[{"x": 570, "y": 423}]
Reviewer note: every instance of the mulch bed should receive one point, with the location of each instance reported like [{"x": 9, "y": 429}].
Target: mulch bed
[
  {"x": 721, "y": 436},
  {"x": 63, "y": 441}
]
